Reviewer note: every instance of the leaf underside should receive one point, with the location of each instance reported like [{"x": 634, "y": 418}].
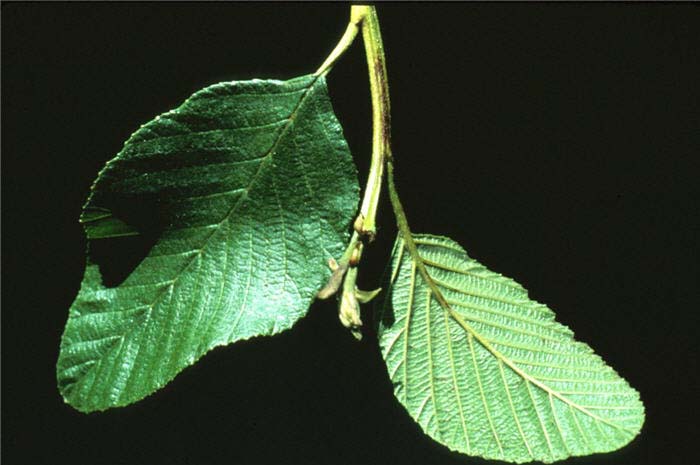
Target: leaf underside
[
  {"x": 246, "y": 190},
  {"x": 491, "y": 373}
]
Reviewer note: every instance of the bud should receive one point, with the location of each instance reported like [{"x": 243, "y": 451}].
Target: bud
[{"x": 349, "y": 313}]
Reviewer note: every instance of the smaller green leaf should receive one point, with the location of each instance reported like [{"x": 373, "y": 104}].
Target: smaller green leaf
[{"x": 487, "y": 371}]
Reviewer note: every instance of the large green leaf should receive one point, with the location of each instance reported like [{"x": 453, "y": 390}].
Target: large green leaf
[
  {"x": 244, "y": 191},
  {"x": 487, "y": 371}
]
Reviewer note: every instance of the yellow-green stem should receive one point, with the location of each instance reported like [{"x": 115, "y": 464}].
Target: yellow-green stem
[
  {"x": 364, "y": 17},
  {"x": 381, "y": 116}
]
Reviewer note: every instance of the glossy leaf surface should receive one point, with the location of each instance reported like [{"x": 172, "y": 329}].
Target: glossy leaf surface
[
  {"x": 240, "y": 195},
  {"x": 488, "y": 371}
]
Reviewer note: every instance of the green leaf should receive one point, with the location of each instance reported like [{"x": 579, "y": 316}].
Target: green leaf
[
  {"x": 487, "y": 371},
  {"x": 245, "y": 191}
]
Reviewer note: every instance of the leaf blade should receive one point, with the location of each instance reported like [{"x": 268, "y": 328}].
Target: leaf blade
[
  {"x": 535, "y": 407},
  {"x": 250, "y": 188}
]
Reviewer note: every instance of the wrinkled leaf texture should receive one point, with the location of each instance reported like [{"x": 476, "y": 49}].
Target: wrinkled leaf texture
[
  {"x": 492, "y": 373},
  {"x": 245, "y": 191}
]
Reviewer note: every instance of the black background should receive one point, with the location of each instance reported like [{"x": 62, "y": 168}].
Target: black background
[{"x": 557, "y": 142}]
